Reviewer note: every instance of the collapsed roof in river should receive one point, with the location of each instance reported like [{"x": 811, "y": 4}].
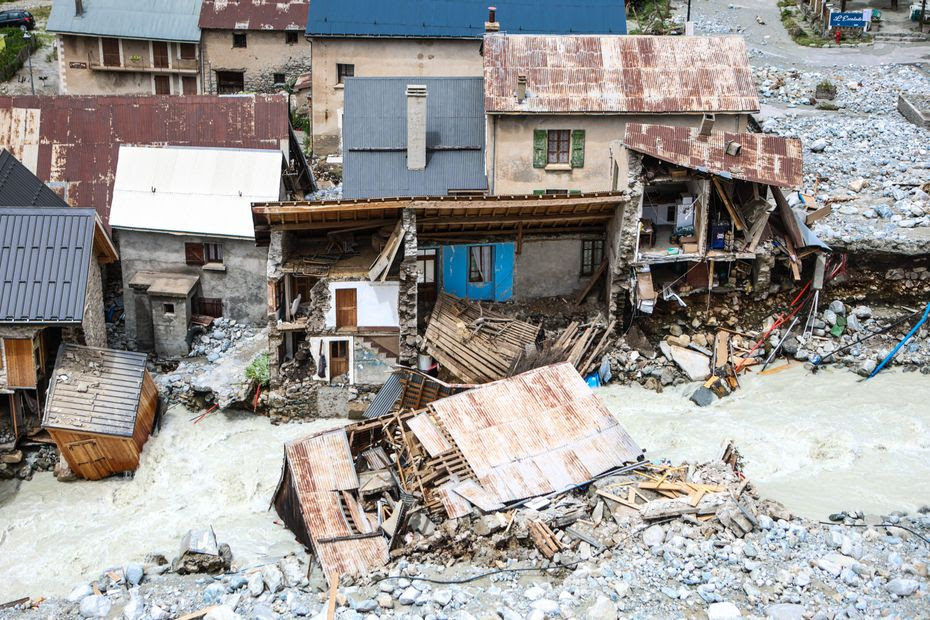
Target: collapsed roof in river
[{"x": 346, "y": 493}]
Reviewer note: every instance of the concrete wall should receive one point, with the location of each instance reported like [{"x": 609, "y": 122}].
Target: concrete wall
[
  {"x": 171, "y": 327},
  {"x": 242, "y": 286},
  {"x": 549, "y": 268},
  {"x": 376, "y": 303},
  {"x": 266, "y": 53},
  {"x": 76, "y": 55},
  {"x": 379, "y": 58},
  {"x": 510, "y": 151}
]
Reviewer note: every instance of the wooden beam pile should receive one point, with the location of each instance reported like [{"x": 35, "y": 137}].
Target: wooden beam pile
[
  {"x": 581, "y": 345},
  {"x": 475, "y": 344},
  {"x": 666, "y": 491}
]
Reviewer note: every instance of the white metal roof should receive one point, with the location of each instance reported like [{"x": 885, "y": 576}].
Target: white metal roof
[{"x": 193, "y": 190}]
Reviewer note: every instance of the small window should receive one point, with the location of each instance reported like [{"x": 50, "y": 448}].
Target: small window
[
  {"x": 239, "y": 40},
  {"x": 230, "y": 82},
  {"x": 194, "y": 254},
  {"x": 343, "y": 72},
  {"x": 290, "y": 37},
  {"x": 213, "y": 252},
  {"x": 592, "y": 255},
  {"x": 480, "y": 264},
  {"x": 279, "y": 79},
  {"x": 188, "y": 51},
  {"x": 426, "y": 266},
  {"x": 169, "y": 308},
  {"x": 560, "y": 141}
]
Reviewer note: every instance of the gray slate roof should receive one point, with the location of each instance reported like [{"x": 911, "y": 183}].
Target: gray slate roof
[
  {"x": 375, "y": 137},
  {"x": 45, "y": 257},
  {"x": 95, "y": 391},
  {"x": 20, "y": 188},
  {"x": 161, "y": 20}
]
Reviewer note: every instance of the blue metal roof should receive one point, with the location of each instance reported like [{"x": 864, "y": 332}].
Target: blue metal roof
[
  {"x": 160, "y": 20},
  {"x": 375, "y": 137},
  {"x": 462, "y": 18}
]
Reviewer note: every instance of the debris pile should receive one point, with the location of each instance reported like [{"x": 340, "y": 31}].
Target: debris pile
[{"x": 212, "y": 341}]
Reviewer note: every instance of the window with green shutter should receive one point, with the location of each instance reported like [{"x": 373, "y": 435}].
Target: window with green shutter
[
  {"x": 578, "y": 148},
  {"x": 540, "y": 142}
]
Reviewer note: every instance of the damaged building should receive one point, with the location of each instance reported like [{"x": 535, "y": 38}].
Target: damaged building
[{"x": 482, "y": 450}]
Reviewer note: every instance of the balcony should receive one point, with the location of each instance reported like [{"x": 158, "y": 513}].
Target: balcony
[{"x": 183, "y": 66}]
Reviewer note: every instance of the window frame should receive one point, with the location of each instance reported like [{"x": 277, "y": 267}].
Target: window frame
[
  {"x": 291, "y": 37},
  {"x": 427, "y": 262},
  {"x": 213, "y": 253},
  {"x": 276, "y": 81},
  {"x": 342, "y": 73},
  {"x": 562, "y": 139},
  {"x": 480, "y": 264},
  {"x": 168, "y": 308},
  {"x": 240, "y": 40},
  {"x": 592, "y": 255}
]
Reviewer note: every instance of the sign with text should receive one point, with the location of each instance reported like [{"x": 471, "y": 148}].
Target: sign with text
[{"x": 849, "y": 19}]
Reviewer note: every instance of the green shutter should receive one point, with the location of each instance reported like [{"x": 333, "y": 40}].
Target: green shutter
[
  {"x": 574, "y": 191},
  {"x": 578, "y": 148},
  {"x": 540, "y": 144},
  {"x": 539, "y": 192}
]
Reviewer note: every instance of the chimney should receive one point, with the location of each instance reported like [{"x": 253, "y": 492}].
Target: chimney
[
  {"x": 707, "y": 124},
  {"x": 491, "y": 25},
  {"x": 416, "y": 127},
  {"x": 78, "y": 7},
  {"x": 521, "y": 88},
  {"x": 733, "y": 148}
]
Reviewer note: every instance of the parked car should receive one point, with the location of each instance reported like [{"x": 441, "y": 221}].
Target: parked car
[{"x": 17, "y": 19}]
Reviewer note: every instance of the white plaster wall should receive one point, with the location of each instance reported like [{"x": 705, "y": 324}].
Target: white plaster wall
[
  {"x": 377, "y": 303},
  {"x": 315, "y": 351}
]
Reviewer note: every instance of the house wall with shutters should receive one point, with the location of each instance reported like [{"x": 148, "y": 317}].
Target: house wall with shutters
[
  {"x": 266, "y": 53},
  {"x": 376, "y": 303},
  {"x": 518, "y": 149},
  {"x": 240, "y": 281}
]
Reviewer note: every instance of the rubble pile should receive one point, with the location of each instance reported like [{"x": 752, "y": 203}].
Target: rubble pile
[
  {"x": 222, "y": 334},
  {"x": 660, "y": 542},
  {"x": 24, "y": 463}
]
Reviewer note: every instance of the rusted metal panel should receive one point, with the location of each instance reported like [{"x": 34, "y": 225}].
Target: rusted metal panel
[
  {"x": 538, "y": 432},
  {"x": 308, "y": 456},
  {"x": 254, "y": 14},
  {"x": 617, "y": 74},
  {"x": 762, "y": 158},
  {"x": 74, "y": 140},
  {"x": 454, "y": 504},
  {"x": 478, "y": 495},
  {"x": 428, "y": 434}
]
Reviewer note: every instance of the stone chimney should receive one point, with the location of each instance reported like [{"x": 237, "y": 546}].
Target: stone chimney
[
  {"x": 491, "y": 25},
  {"x": 707, "y": 124},
  {"x": 416, "y": 127},
  {"x": 78, "y": 7},
  {"x": 521, "y": 88}
]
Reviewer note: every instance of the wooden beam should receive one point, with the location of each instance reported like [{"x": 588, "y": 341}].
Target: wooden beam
[
  {"x": 734, "y": 214},
  {"x": 787, "y": 216},
  {"x": 519, "y": 249},
  {"x": 590, "y": 285},
  {"x": 819, "y": 214}
]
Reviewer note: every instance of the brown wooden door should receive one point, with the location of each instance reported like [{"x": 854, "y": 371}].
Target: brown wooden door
[
  {"x": 346, "y": 307},
  {"x": 160, "y": 54},
  {"x": 20, "y": 363},
  {"x": 162, "y": 85},
  {"x": 89, "y": 461},
  {"x": 338, "y": 358},
  {"x": 110, "y": 52}
]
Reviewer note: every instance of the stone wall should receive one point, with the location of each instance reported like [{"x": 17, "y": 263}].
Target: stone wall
[
  {"x": 94, "y": 323},
  {"x": 265, "y": 54},
  {"x": 407, "y": 297},
  {"x": 623, "y": 234}
]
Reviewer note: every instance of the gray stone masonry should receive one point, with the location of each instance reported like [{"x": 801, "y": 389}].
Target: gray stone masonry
[{"x": 407, "y": 295}]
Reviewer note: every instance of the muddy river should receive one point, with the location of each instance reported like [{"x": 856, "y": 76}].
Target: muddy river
[{"x": 817, "y": 443}]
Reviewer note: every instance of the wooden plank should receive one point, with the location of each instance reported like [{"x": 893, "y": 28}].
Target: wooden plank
[
  {"x": 819, "y": 214},
  {"x": 618, "y": 499},
  {"x": 20, "y": 363},
  {"x": 602, "y": 268},
  {"x": 331, "y": 601},
  {"x": 735, "y": 215},
  {"x": 194, "y": 615},
  {"x": 382, "y": 263}
]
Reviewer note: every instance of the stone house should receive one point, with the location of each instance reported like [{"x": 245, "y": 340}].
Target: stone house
[
  {"x": 253, "y": 46},
  {"x": 415, "y": 38},
  {"x": 557, "y": 105},
  {"x": 51, "y": 292},
  {"x": 183, "y": 216},
  {"x": 106, "y": 47}
]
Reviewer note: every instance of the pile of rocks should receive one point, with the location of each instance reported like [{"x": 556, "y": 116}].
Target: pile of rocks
[
  {"x": 24, "y": 463},
  {"x": 223, "y": 334}
]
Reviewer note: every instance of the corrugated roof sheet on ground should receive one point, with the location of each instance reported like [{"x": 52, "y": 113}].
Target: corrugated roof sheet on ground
[
  {"x": 462, "y": 18},
  {"x": 254, "y": 14},
  {"x": 45, "y": 258},
  {"x": 95, "y": 391},
  {"x": 618, "y": 74},
  {"x": 762, "y": 158},
  {"x": 538, "y": 432}
]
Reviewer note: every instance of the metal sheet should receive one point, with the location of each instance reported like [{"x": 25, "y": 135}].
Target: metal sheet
[
  {"x": 168, "y": 20},
  {"x": 254, "y": 14},
  {"x": 21, "y": 188},
  {"x": 323, "y": 462},
  {"x": 428, "y": 434},
  {"x": 454, "y": 504},
  {"x": 477, "y": 495},
  {"x": 762, "y": 158},
  {"x": 611, "y": 74}
]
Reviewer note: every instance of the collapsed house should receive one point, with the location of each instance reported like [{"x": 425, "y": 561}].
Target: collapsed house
[
  {"x": 101, "y": 409},
  {"x": 347, "y": 494},
  {"x": 50, "y": 292}
]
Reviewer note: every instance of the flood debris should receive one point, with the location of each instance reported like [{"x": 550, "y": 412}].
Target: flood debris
[{"x": 539, "y": 434}]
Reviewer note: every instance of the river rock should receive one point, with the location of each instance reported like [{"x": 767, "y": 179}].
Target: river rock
[
  {"x": 95, "y": 606},
  {"x": 385, "y": 601},
  {"x": 213, "y": 593},
  {"x": 866, "y": 368},
  {"x": 263, "y": 612},
  {"x": 222, "y": 612},
  {"x": 134, "y": 574},
  {"x": 135, "y": 608},
  {"x": 273, "y": 578},
  {"x": 818, "y": 146},
  {"x": 256, "y": 584},
  {"x": 653, "y": 535},
  {"x": 902, "y": 587},
  {"x": 602, "y": 609},
  {"x": 200, "y": 553},
  {"x": 695, "y": 365},
  {"x": 784, "y": 611},
  {"x": 80, "y": 592},
  {"x": 408, "y": 596},
  {"x": 546, "y": 606},
  {"x": 723, "y": 610}
]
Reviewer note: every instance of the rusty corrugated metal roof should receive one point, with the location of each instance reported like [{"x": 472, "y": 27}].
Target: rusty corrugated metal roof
[
  {"x": 254, "y": 14},
  {"x": 72, "y": 143},
  {"x": 542, "y": 431},
  {"x": 428, "y": 434},
  {"x": 606, "y": 74},
  {"x": 762, "y": 158},
  {"x": 321, "y": 467}
]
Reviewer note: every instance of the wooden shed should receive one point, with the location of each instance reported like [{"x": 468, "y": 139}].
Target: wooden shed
[{"x": 100, "y": 409}]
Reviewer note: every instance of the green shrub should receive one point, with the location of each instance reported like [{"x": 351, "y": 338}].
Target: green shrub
[
  {"x": 257, "y": 370},
  {"x": 15, "y": 53}
]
